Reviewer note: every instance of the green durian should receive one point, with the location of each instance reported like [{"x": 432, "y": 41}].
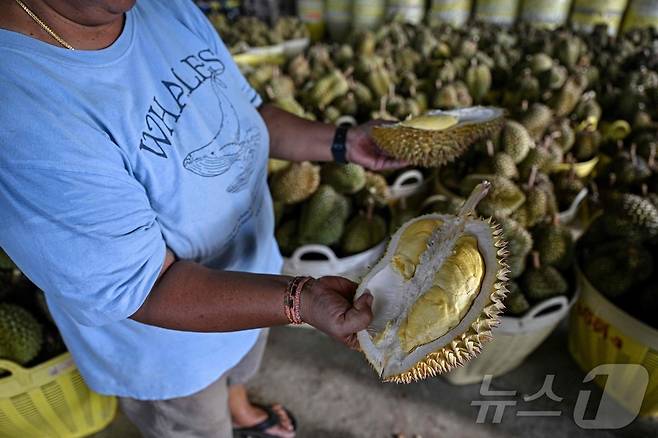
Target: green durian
[
  {"x": 516, "y": 140},
  {"x": 344, "y": 178},
  {"x": 21, "y": 335},
  {"x": 555, "y": 245},
  {"x": 515, "y": 302},
  {"x": 616, "y": 267},
  {"x": 543, "y": 282},
  {"x": 295, "y": 183},
  {"x": 323, "y": 217},
  {"x": 362, "y": 233}
]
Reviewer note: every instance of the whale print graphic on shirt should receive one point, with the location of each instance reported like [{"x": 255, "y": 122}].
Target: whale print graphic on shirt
[{"x": 217, "y": 157}]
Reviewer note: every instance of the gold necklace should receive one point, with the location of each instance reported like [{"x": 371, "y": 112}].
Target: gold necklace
[{"x": 44, "y": 26}]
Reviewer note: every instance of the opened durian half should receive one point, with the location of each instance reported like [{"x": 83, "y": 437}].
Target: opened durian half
[
  {"x": 438, "y": 137},
  {"x": 437, "y": 293}
]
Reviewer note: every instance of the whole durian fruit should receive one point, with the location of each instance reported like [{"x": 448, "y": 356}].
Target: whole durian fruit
[
  {"x": 344, "y": 178},
  {"x": 631, "y": 216},
  {"x": 478, "y": 81},
  {"x": 504, "y": 198},
  {"x": 537, "y": 119},
  {"x": 515, "y": 302},
  {"x": 516, "y": 141},
  {"x": 616, "y": 267},
  {"x": 362, "y": 233},
  {"x": 555, "y": 245},
  {"x": 295, "y": 183},
  {"x": 503, "y": 165},
  {"x": 21, "y": 334},
  {"x": 323, "y": 217},
  {"x": 542, "y": 282}
]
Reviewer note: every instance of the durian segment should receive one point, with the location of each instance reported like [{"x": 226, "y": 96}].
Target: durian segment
[
  {"x": 434, "y": 139},
  {"x": 445, "y": 304},
  {"x": 433, "y": 342},
  {"x": 432, "y": 122}
]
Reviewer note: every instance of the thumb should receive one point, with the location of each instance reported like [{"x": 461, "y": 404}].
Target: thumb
[{"x": 358, "y": 317}]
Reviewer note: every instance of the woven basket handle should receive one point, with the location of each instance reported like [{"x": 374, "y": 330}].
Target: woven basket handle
[
  {"x": 314, "y": 249},
  {"x": 15, "y": 369},
  {"x": 559, "y": 302},
  {"x": 413, "y": 178}
]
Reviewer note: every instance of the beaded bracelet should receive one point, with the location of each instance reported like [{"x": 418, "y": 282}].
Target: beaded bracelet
[{"x": 292, "y": 299}]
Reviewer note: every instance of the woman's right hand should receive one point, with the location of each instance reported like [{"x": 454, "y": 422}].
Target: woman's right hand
[{"x": 328, "y": 304}]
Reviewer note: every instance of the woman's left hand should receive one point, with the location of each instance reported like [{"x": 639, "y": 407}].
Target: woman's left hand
[{"x": 362, "y": 149}]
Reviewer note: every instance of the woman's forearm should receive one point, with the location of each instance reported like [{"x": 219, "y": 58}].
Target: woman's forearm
[
  {"x": 296, "y": 139},
  {"x": 191, "y": 297}
]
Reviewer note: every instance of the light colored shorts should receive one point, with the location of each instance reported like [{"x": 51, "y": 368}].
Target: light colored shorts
[{"x": 201, "y": 415}]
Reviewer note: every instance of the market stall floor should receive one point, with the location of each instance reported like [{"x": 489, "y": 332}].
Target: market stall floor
[{"x": 334, "y": 393}]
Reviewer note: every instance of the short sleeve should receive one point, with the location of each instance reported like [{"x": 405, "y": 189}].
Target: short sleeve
[
  {"x": 85, "y": 234},
  {"x": 200, "y": 24}
]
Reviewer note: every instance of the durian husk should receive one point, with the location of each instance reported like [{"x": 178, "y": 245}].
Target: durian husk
[
  {"x": 463, "y": 341},
  {"x": 436, "y": 147}
]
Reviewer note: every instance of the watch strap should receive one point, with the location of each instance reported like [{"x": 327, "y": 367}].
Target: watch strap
[{"x": 339, "y": 145}]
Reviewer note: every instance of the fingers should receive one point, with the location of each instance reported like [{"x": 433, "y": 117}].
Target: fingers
[{"x": 358, "y": 317}]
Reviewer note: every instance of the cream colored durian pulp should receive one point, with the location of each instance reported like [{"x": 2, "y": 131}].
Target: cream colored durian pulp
[{"x": 455, "y": 285}]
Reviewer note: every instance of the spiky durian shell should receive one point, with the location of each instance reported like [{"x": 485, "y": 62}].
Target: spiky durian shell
[
  {"x": 537, "y": 119},
  {"x": 344, "y": 178},
  {"x": 468, "y": 344},
  {"x": 430, "y": 148},
  {"x": 516, "y": 140},
  {"x": 21, "y": 334},
  {"x": 362, "y": 233},
  {"x": 295, "y": 183}
]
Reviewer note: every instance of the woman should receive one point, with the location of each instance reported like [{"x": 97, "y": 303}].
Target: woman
[{"x": 133, "y": 192}]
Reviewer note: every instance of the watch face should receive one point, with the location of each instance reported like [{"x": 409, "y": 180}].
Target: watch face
[{"x": 338, "y": 148}]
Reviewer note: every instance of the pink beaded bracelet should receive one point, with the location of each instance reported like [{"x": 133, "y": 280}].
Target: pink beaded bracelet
[{"x": 292, "y": 299}]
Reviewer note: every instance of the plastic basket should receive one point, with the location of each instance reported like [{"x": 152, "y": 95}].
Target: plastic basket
[
  {"x": 588, "y": 13},
  {"x": 513, "y": 340},
  {"x": 51, "y": 400},
  {"x": 641, "y": 13},
  {"x": 352, "y": 267},
  {"x": 602, "y": 333},
  {"x": 453, "y": 12},
  {"x": 408, "y": 183},
  {"x": 547, "y": 13},
  {"x": 502, "y": 12}
]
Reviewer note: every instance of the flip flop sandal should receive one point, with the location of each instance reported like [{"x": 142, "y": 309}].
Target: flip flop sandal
[{"x": 258, "y": 430}]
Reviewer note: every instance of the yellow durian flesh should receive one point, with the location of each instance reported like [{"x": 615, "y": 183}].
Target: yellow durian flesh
[
  {"x": 431, "y": 122},
  {"x": 446, "y": 303}
]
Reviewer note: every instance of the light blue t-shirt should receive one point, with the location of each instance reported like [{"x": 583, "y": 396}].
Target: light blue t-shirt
[{"x": 108, "y": 157}]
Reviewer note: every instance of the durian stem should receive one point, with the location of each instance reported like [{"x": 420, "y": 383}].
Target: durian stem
[
  {"x": 477, "y": 195},
  {"x": 533, "y": 177},
  {"x": 536, "y": 260}
]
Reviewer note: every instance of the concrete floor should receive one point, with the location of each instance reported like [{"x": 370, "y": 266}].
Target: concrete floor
[{"x": 334, "y": 393}]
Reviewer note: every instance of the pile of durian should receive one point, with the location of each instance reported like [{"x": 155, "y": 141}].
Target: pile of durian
[
  {"x": 28, "y": 335},
  {"x": 342, "y": 206},
  {"x": 582, "y": 113},
  {"x": 247, "y": 32}
]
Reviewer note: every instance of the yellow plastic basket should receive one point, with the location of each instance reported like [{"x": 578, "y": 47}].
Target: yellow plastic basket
[
  {"x": 601, "y": 333},
  {"x": 50, "y": 400}
]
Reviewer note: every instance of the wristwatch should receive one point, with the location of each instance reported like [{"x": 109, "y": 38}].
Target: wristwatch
[{"x": 339, "y": 147}]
